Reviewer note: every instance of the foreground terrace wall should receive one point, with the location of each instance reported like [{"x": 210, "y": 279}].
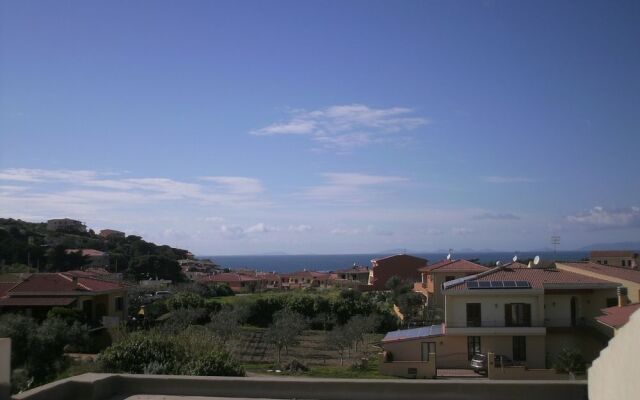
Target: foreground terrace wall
[{"x": 107, "y": 386}]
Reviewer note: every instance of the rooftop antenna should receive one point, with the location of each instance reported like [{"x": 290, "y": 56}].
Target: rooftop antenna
[{"x": 555, "y": 241}]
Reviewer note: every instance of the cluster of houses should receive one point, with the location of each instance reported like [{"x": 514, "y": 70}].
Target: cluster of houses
[{"x": 527, "y": 313}]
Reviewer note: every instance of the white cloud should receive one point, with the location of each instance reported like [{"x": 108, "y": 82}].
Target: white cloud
[
  {"x": 237, "y": 184},
  {"x": 600, "y": 218},
  {"x": 346, "y": 126},
  {"x": 463, "y": 231},
  {"x": 349, "y": 187},
  {"x": 258, "y": 228},
  {"x": 299, "y": 228},
  {"x": 507, "y": 179},
  {"x": 496, "y": 216}
]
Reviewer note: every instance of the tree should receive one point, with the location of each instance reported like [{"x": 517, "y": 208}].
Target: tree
[
  {"x": 284, "y": 330},
  {"x": 224, "y": 324},
  {"x": 410, "y": 305},
  {"x": 154, "y": 267},
  {"x": 569, "y": 361},
  {"x": 339, "y": 340}
]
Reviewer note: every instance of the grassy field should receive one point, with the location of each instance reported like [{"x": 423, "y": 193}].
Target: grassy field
[{"x": 258, "y": 356}]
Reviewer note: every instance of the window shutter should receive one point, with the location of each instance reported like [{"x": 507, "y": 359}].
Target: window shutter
[
  {"x": 527, "y": 314},
  {"x": 507, "y": 315}
]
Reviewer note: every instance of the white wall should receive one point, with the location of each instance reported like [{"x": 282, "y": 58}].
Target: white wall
[
  {"x": 492, "y": 308},
  {"x": 614, "y": 375}
]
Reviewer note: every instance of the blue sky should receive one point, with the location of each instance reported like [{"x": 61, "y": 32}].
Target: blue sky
[{"x": 325, "y": 127}]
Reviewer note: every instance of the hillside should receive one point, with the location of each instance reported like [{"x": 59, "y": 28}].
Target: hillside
[{"x": 27, "y": 246}]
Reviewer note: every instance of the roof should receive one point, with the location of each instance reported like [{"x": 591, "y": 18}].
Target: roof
[
  {"x": 356, "y": 269},
  {"x": 608, "y": 270},
  {"x": 615, "y": 316},
  {"x": 416, "y": 333},
  {"x": 308, "y": 274},
  {"x": 613, "y": 253},
  {"x": 388, "y": 258},
  {"x": 229, "y": 277},
  {"x": 63, "y": 282},
  {"x": 36, "y": 301},
  {"x": 454, "y": 266},
  {"x": 5, "y": 286},
  {"x": 87, "y": 252},
  {"x": 538, "y": 278}
]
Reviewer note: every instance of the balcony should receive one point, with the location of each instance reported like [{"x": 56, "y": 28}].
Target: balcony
[{"x": 497, "y": 327}]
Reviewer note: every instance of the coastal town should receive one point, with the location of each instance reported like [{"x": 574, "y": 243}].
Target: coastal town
[{"x": 401, "y": 316}]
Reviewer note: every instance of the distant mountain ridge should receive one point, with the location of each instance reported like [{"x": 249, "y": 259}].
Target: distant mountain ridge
[{"x": 612, "y": 246}]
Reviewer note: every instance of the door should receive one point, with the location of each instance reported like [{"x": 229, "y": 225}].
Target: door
[{"x": 427, "y": 347}]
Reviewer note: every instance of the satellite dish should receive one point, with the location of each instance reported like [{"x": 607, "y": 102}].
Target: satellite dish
[
  {"x": 515, "y": 258},
  {"x": 498, "y": 263},
  {"x": 449, "y": 256},
  {"x": 536, "y": 260}
]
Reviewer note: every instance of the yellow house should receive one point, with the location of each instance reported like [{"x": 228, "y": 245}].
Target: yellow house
[
  {"x": 102, "y": 302},
  {"x": 526, "y": 314},
  {"x": 629, "y": 278}
]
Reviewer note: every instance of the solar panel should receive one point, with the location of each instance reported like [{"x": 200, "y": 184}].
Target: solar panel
[
  {"x": 484, "y": 285},
  {"x": 497, "y": 284},
  {"x": 509, "y": 284},
  {"x": 472, "y": 285},
  {"x": 523, "y": 284}
]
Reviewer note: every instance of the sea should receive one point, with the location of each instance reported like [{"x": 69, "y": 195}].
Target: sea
[{"x": 332, "y": 262}]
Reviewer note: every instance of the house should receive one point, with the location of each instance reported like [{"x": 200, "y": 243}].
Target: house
[
  {"x": 617, "y": 316},
  {"x": 404, "y": 266},
  {"x": 98, "y": 273},
  {"x": 305, "y": 279},
  {"x": 239, "y": 283},
  {"x": 626, "y": 277},
  {"x": 196, "y": 269},
  {"x": 65, "y": 225},
  {"x": 433, "y": 276},
  {"x": 111, "y": 234},
  {"x": 96, "y": 258},
  {"x": 616, "y": 258},
  {"x": 356, "y": 274},
  {"x": 527, "y": 314},
  {"x": 102, "y": 302}
]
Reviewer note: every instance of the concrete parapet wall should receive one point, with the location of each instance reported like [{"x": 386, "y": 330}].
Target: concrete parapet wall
[
  {"x": 423, "y": 369},
  {"x": 105, "y": 386}
]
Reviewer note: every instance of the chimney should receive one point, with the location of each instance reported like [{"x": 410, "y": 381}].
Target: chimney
[
  {"x": 623, "y": 300},
  {"x": 74, "y": 279},
  {"x": 530, "y": 265}
]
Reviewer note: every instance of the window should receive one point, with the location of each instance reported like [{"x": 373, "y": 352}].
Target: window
[
  {"x": 119, "y": 303},
  {"x": 517, "y": 314},
  {"x": 473, "y": 346},
  {"x": 612, "y": 301},
  {"x": 427, "y": 347},
  {"x": 474, "y": 314},
  {"x": 519, "y": 348},
  {"x": 606, "y": 262}
]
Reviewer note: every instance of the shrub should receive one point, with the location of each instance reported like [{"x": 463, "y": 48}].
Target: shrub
[
  {"x": 139, "y": 351},
  {"x": 68, "y": 315},
  {"x": 213, "y": 363},
  {"x": 569, "y": 361},
  {"x": 185, "y": 300}
]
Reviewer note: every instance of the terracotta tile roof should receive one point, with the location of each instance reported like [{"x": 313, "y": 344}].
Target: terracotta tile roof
[
  {"x": 229, "y": 277},
  {"x": 62, "y": 282},
  {"x": 616, "y": 317},
  {"x": 539, "y": 278},
  {"x": 5, "y": 287},
  {"x": 87, "y": 252},
  {"x": 613, "y": 253},
  {"x": 454, "y": 266},
  {"x": 36, "y": 301},
  {"x": 608, "y": 270}
]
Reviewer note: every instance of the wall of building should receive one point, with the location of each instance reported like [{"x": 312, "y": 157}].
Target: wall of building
[
  {"x": 5, "y": 368},
  {"x": 492, "y": 308},
  {"x": 614, "y": 375},
  {"x": 633, "y": 287},
  {"x": 409, "y": 369},
  {"x": 435, "y": 286}
]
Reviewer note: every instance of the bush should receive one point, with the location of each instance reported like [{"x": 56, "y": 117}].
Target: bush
[
  {"x": 213, "y": 363},
  {"x": 569, "y": 361},
  {"x": 185, "y": 300},
  {"x": 68, "y": 315},
  {"x": 137, "y": 352}
]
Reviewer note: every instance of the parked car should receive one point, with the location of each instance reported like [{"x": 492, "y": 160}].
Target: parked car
[{"x": 479, "y": 362}]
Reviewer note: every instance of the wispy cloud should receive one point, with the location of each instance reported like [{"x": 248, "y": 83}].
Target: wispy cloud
[
  {"x": 507, "y": 179},
  {"x": 496, "y": 216},
  {"x": 463, "y": 231},
  {"x": 237, "y": 184},
  {"x": 348, "y": 186},
  {"x": 346, "y": 126},
  {"x": 602, "y": 218}
]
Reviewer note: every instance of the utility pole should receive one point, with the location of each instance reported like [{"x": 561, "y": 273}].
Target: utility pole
[{"x": 555, "y": 241}]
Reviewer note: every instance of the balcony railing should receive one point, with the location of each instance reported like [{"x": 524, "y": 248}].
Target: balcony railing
[{"x": 546, "y": 323}]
